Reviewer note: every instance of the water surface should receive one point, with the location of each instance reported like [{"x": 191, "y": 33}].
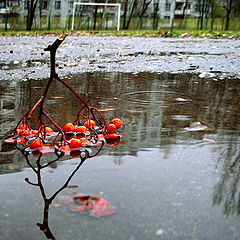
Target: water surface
[{"x": 175, "y": 174}]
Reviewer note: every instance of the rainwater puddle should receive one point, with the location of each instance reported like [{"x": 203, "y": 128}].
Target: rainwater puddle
[{"x": 174, "y": 175}]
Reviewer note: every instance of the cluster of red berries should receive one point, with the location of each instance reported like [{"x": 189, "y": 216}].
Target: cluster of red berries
[{"x": 76, "y": 137}]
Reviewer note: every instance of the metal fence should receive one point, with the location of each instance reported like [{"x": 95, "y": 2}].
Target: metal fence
[{"x": 108, "y": 23}]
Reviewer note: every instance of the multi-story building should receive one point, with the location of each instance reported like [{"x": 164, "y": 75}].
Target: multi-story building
[
  {"x": 63, "y": 8},
  {"x": 166, "y": 8},
  {"x": 176, "y": 8}
]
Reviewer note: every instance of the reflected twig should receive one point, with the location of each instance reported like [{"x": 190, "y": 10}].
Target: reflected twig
[{"x": 47, "y": 201}]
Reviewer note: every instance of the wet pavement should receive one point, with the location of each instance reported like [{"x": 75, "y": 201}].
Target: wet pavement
[
  {"x": 24, "y": 58},
  {"x": 175, "y": 173}
]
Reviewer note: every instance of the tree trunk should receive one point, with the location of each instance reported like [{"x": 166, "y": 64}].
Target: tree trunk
[
  {"x": 125, "y": 14},
  {"x": 202, "y": 15},
  {"x": 132, "y": 10},
  {"x": 95, "y": 18},
  {"x": 229, "y": 9},
  {"x": 31, "y": 6},
  {"x": 184, "y": 9},
  {"x": 155, "y": 11}
]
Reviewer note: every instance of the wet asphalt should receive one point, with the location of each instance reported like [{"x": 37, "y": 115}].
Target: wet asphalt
[{"x": 23, "y": 58}]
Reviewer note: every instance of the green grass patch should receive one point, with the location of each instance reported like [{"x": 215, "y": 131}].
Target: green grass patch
[{"x": 132, "y": 33}]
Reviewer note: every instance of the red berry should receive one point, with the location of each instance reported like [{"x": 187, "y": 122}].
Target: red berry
[
  {"x": 117, "y": 122},
  {"x": 25, "y": 133},
  {"x": 22, "y": 127},
  {"x": 76, "y": 143},
  {"x": 36, "y": 143},
  {"x": 81, "y": 129},
  {"x": 48, "y": 130},
  {"x": 34, "y": 132},
  {"x": 111, "y": 128},
  {"x": 68, "y": 127},
  {"x": 90, "y": 124}
]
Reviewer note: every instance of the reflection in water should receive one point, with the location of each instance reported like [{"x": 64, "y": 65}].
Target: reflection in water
[
  {"x": 83, "y": 155},
  {"x": 157, "y": 111},
  {"x": 227, "y": 190}
]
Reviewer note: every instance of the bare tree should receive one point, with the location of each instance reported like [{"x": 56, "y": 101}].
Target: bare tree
[
  {"x": 203, "y": 8},
  {"x": 31, "y": 7},
  {"x": 129, "y": 6},
  {"x": 155, "y": 11},
  {"x": 185, "y": 8},
  {"x": 228, "y": 12},
  {"x": 143, "y": 4}
]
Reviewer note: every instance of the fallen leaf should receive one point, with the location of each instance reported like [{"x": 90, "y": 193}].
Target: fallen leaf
[
  {"x": 116, "y": 98},
  {"x": 96, "y": 207},
  {"x": 106, "y": 109},
  {"x": 208, "y": 140}
]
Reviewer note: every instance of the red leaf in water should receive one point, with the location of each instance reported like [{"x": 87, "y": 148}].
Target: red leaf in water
[{"x": 97, "y": 207}]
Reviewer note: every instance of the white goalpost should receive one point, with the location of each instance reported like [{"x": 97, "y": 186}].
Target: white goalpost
[{"x": 118, "y": 5}]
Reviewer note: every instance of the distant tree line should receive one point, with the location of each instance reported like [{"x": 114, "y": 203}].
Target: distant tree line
[
  {"x": 207, "y": 9},
  {"x": 217, "y": 9}
]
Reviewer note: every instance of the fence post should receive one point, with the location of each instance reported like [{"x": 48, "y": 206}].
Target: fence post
[
  {"x": 69, "y": 22},
  {"x": 49, "y": 22},
  {"x": 141, "y": 23},
  {"x": 88, "y": 26},
  {"x": 107, "y": 23},
  {"x": 212, "y": 23},
  {"x": 198, "y": 24},
  {"x": 6, "y": 23},
  {"x": 157, "y": 23},
  {"x": 172, "y": 25},
  {"x": 185, "y": 23}
]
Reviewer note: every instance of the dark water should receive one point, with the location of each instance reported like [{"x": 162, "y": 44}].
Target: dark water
[{"x": 175, "y": 174}]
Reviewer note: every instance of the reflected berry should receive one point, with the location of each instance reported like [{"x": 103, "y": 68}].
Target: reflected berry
[{"x": 112, "y": 136}]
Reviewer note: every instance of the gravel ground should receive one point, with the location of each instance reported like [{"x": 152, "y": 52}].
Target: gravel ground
[{"x": 24, "y": 57}]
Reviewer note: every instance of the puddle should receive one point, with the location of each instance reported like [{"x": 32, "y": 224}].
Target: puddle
[{"x": 164, "y": 180}]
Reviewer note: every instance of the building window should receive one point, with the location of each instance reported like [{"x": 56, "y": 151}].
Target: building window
[
  {"x": 26, "y": 4},
  {"x": 2, "y": 4},
  {"x": 188, "y": 6},
  {"x": 57, "y": 5},
  {"x": 179, "y": 6},
  {"x": 167, "y": 7},
  {"x": 71, "y": 4},
  {"x": 44, "y": 4}
]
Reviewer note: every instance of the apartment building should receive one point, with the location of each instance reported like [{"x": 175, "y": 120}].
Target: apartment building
[{"x": 166, "y": 8}]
